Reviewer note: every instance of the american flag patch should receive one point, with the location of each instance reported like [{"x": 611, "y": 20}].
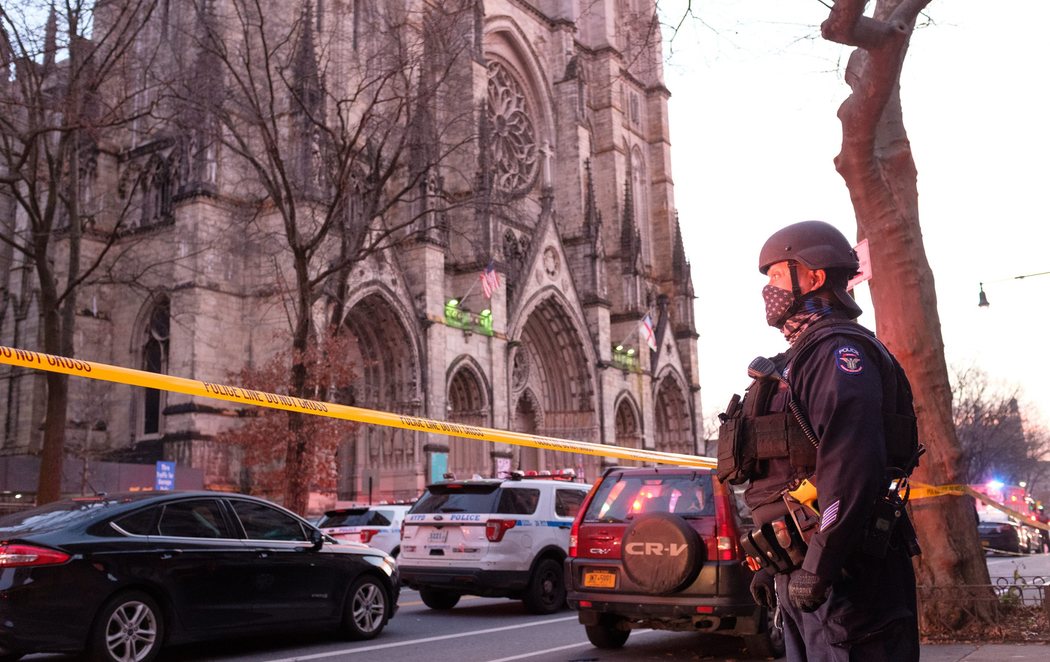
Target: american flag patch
[{"x": 830, "y": 514}]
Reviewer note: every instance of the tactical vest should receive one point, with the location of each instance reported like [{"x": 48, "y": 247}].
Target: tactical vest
[{"x": 750, "y": 433}]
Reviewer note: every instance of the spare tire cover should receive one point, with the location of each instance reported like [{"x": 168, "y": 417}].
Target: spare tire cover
[{"x": 661, "y": 553}]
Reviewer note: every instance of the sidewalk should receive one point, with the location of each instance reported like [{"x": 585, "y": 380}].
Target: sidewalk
[{"x": 1033, "y": 652}]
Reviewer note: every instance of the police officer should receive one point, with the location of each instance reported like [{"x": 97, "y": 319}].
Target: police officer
[{"x": 852, "y": 594}]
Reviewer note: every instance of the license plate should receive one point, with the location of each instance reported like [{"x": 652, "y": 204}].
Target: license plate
[
  {"x": 599, "y": 579},
  {"x": 438, "y": 536}
]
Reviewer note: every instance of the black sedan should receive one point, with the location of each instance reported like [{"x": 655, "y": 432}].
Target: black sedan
[
  {"x": 1009, "y": 537},
  {"x": 122, "y": 575}
]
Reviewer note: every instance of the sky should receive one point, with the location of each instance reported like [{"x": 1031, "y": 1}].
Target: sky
[{"x": 754, "y": 132}]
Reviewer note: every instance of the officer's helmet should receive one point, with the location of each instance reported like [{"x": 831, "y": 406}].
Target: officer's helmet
[{"x": 815, "y": 244}]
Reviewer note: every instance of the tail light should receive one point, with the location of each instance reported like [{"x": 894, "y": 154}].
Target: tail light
[
  {"x": 495, "y": 528},
  {"x": 368, "y": 534},
  {"x": 574, "y": 533},
  {"x": 574, "y": 537},
  {"x": 20, "y": 556},
  {"x": 727, "y": 545}
]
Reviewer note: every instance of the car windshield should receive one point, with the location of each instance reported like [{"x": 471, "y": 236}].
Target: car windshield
[
  {"x": 457, "y": 498},
  {"x": 619, "y": 499},
  {"x": 54, "y": 515},
  {"x": 355, "y": 517}
]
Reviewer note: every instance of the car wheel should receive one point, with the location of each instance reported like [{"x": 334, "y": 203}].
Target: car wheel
[
  {"x": 607, "y": 633},
  {"x": 367, "y": 609},
  {"x": 546, "y": 591},
  {"x": 128, "y": 628},
  {"x": 438, "y": 599},
  {"x": 767, "y": 643},
  {"x": 397, "y": 550}
]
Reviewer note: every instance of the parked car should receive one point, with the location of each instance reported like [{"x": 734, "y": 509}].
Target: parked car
[
  {"x": 125, "y": 574},
  {"x": 657, "y": 547},
  {"x": 377, "y": 526},
  {"x": 491, "y": 537},
  {"x": 1008, "y": 536}
]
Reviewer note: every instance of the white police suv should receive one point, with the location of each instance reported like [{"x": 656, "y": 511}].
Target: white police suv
[
  {"x": 377, "y": 526},
  {"x": 491, "y": 537}
]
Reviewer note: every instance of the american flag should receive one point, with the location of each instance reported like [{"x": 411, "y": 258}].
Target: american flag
[
  {"x": 647, "y": 329},
  {"x": 489, "y": 280}
]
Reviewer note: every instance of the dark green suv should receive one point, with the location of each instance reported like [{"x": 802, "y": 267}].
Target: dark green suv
[{"x": 657, "y": 547}]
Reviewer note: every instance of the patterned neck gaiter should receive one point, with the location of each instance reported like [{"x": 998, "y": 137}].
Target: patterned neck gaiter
[
  {"x": 779, "y": 305},
  {"x": 814, "y": 307}
]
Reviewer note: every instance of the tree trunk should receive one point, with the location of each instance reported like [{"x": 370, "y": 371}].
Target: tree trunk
[
  {"x": 49, "y": 482},
  {"x": 59, "y": 310},
  {"x": 877, "y": 166},
  {"x": 297, "y": 484}
]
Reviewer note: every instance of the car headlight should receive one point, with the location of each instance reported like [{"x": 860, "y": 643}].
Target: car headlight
[{"x": 386, "y": 563}]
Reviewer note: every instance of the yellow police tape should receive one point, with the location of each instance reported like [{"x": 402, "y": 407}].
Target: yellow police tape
[
  {"x": 101, "y": 371},
  {"x": 923, "y": 491}
]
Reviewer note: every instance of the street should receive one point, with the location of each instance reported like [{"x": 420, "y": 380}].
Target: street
[
  {"x": 481, "y": 629},
  {"x": 1027, "y": 566},
  {"x": 498, "y": 630}
]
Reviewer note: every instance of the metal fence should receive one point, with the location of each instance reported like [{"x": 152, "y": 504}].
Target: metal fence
[{"x": 1011, "y": 602}]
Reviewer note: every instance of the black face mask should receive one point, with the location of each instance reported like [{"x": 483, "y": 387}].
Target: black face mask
[{"x": 780, "y": 304}]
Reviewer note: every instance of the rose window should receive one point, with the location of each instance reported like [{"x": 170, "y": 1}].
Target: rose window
[{"x": 514, "y": 152}]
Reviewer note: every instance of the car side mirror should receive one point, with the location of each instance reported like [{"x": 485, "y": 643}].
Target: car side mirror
[{"x": 316, "y": 540}]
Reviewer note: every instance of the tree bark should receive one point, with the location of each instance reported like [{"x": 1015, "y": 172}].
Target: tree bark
[
  {"x": 45, "y": 122},
  {"x": 877, "y": 166},
  {"x": 297, "y": 490}
]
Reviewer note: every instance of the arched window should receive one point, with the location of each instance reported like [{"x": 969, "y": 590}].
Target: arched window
[
  {"x": 155, "y": 189},
  {"x": 467, "y": 405},
  {"x": 672, "y": 416},
  {"x": 356, "y": 18},
  {"x": 155, "y": 340},
  {"x": 628, "y": 431},
  {"x": 640, "y": 194},
  {"x": 526, "y": 420}
]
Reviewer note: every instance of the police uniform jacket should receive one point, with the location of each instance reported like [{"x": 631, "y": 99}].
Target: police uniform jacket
[{"x": 839, "y": 381}]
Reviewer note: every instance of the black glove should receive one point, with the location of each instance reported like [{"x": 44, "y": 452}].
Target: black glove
[
  {"x": 763, "y": 590},
  {"x": 807, "y": 591}
]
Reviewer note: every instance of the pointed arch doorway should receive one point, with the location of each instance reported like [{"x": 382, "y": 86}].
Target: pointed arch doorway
[
  {"x": 468, "y": 404},
  {"x": 674, "y": 431},
  {"x": 379, "y": 462},
  {"x": 553, "y": 389}
]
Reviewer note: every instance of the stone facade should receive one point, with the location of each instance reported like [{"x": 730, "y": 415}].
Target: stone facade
[{"x": 571, "y": 200}]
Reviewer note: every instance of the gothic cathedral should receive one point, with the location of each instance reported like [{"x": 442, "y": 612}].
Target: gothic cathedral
[{"x": 519, "y": 267}]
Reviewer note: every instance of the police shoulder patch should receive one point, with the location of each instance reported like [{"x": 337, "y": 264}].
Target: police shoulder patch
[{"x": 848, "y": 360}]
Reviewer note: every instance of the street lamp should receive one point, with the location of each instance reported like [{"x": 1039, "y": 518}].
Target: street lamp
[{"x": 982, "y": 298}]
